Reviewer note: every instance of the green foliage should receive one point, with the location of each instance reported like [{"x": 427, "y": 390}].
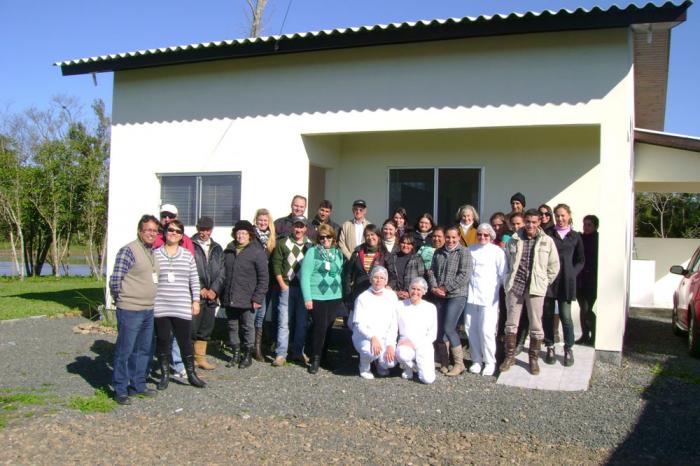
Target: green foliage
[
  {"x": 100, "y": 402},
  {"x": 48, "y": 296},
  {"x": 667, "y": 215}
]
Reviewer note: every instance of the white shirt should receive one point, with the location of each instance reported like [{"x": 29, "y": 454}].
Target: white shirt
[
  {"x": 490, "y": 268},
  {"x": 375, "y": 316},
  {"x": 417, "y": 322},
  {"x": 359, "y": 232}
]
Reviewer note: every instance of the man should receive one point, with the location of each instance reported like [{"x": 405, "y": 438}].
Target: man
[
  {"x": 534, "y": 264},
  {"x": 168, "y": 213},
  {"x": 209, "y": 257},
  {"x": 352, "y": 231},
  {"x": 323, "y": 215},
  {"x": 292, "y": 315},
  {"x": 133, "y": 286},
  {"x": 284, "y": 225}
]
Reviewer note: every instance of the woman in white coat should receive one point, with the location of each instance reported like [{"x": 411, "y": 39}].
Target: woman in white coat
[
  {"x": 481, "y": 320},
  {"x": 374, "y": 325},
  {"x": 417, "y": 321}
]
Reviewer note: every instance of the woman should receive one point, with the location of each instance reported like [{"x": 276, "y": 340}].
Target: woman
[
  {"x": 563, "y": 289},
  {"x": 246, "y": 281},
  {"x": 400, "y": 218},
  {"x": 423, "y": 233},
  {"x": 499, "y": 225},
  {"x": 177, "y": 300},
  {"x": 374, "y": 325},
  {"x": 321, "y": 288},
  {"x": 490, "y": 267},
  {"x": 449, "y": 281},
  {"x": 389, "y": 235},
  {"x": 363, "y": 259},
  {"x": 587, "y": 283},
  {"x": 427, "y": 249},
  {"x": 467, "y": 220},
  {"x": 406, "y": 265},
  {"x": 417, "y": 322},
  {"x": 546, "y": 219},
  {"x": 265, "y": 233}
]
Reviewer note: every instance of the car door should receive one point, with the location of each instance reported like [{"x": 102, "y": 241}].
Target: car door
[{"x": 684, "y": 288}]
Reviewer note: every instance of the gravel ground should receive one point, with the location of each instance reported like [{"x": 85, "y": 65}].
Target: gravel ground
[{"x": 644, "y": 412}]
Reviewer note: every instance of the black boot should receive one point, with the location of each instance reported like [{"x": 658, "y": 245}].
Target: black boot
[
  {"x": 247, "y": 358},
  {"x": 568, "y": 357},
  {"x": 164, "y": 362},
  {"x": 315, "y": 363},
  {"x": 191, "y": 374},
  {"x": 235, "y": 357}
]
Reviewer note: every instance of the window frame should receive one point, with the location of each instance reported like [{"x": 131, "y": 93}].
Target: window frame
[
  {"x": 436, "y": 187},
  {"x": 198, "y": 188}
]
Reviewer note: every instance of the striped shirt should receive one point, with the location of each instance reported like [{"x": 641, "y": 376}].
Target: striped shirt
[{"x": 178, "y": 284}]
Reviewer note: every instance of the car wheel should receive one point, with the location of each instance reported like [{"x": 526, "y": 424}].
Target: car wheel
[
  {"x": 674, "y": 322},
  {"x": 693, "y": 334}
]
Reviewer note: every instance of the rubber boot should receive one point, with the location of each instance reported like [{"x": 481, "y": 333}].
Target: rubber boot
[
  {"x": 235, "y": 357},
  {"x": 458, "y": 365},
  {"x": 509, "y": 340},
  {"x": 200, "y": 356},
  {"x": 247, "y": 359},
  {"x": 191, "y": 374},
  {"x": 258, "y": 345},
  {"x": 164, "y": 362},
  {"x": 315, "y": 363},
  {"x": 442, "y": 357},
  {"x": 534, "y": 354}
]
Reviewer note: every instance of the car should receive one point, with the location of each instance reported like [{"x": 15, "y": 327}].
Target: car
[{"x": 686, "y": 303}]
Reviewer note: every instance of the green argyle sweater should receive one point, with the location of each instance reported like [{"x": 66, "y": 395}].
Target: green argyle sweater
[{"x": 321, "y": 282}]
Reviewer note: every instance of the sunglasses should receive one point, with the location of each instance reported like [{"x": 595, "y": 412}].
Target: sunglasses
[
  {"x": 406, "y": 243},
  {"x": 174, "y": 230},
  {"x": 548, "y": 214},
  {"x": 323, "y": 237},
  {"x": 167, "y": 215}
]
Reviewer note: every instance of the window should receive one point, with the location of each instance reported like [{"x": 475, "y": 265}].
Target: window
[
  {"x": 217, "y": 196},
  {"x": 439, "y": 191}
]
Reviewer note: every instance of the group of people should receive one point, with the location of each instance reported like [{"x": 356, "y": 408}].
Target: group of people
[{"x": 402, "y": 290}]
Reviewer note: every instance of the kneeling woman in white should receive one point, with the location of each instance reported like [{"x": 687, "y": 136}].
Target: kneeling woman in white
[
  {"x": 374, "y": 325},
  {"x": 481, "y": 320},
  {"x": 417, "y": 331}
]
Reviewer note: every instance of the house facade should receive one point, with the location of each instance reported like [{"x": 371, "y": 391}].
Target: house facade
[{"x": 428, "y": 116}]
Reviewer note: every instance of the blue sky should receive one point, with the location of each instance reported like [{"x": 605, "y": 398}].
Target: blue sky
[{"x": 37, "y": 33}]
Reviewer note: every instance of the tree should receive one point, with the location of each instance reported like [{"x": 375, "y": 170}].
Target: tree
[
  {"x": 667, "y": 215},
  {"x": 12, "y": 199},
  {"x": 257, "y": 11}
]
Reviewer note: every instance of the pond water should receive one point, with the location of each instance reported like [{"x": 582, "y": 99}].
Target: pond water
[{"x": 82, "y": 270}]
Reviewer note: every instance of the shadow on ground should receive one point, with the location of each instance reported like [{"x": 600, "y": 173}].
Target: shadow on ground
[
  {"x": 97, "y": 370},
  {"x": 667, "y": 430},
  {"x": 85, "y": 299}
]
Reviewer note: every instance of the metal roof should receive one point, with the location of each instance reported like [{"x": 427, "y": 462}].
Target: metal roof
[{"x": 385, "y": 34}]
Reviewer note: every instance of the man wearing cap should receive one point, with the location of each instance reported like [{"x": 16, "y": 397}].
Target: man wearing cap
[
  {"x": 323, "y": 215},
  {"x": 168, "y": 213},
  {"x": 133, "y": 286},
  {"x": 285, "y": 262},
  {"x": 209, "y": 257},
  {"x": 284, "y": 225},
  {"x": 351, "y": 233}
]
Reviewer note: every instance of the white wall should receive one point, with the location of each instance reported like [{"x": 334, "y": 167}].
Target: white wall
[{"x": 267, "y": 117}]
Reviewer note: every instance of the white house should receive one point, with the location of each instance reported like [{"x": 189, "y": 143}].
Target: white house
[{"x": 427, "y": 115}]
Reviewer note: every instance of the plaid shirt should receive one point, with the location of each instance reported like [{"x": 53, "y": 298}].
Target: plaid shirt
[
  {"x": 524, "y": 272},
  {"x": 122, "y": 264},
  {"x": 452, "y": 270}
]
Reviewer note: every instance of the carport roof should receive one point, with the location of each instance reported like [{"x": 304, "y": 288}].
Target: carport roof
[
  {"x": 673, "y": 141},
  {"x": 395, "y": 33}
]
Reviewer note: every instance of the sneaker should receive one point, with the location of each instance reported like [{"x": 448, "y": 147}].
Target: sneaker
[
  {"x": 279, "y": 361},
  {"x": 489, "y": 369},
  {"x": 367, "y": 375},
  {"x": 148, "y": 393},
  {"x": 407, "y": 373},
  {"x": 475, "y": 368},
  {"x": 180, "y": 376},
  {"x": 123, "y": 400}
]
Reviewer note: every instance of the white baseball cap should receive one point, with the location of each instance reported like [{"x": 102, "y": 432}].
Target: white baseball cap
[{"x": 168, "y": 208}]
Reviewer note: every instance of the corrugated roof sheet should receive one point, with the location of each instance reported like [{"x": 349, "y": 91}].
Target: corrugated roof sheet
[{"x": 384, "y": 34}]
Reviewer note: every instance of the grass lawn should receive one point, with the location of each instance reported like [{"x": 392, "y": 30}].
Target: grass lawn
[{"x": 49, "y": 296}]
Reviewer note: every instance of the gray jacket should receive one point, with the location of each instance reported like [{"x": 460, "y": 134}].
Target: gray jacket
[{"x": 452, "y": 270}]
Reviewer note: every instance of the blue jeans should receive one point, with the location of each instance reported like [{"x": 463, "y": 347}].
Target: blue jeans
[
  {"x": 292, "y": 318},
  {"x": 567, "y": 322},
  {"x": 132, "y": 351},
  {"x": 454, "y": 310},
  {"x": 176, "y": 363}
]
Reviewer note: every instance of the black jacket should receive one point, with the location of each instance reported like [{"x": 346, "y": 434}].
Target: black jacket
[
  {"x": 588, "y": 278},
  {"x": 355, "y": 279},
  {"x": 247, "y": 276},
  {"x": 211, "y": 271},
  {"x": 571, "y": 261},
  {"x": 418, "y": 240},
  {"x": 312, "y": 228}
]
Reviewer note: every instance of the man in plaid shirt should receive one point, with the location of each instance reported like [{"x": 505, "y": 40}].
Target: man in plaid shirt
[{"x": 534, "y": 264}]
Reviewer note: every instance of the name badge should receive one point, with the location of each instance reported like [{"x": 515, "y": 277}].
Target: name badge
[
  {"x": 154, "y": 275},
  {"x": 327, "y": 266},
  {"x": 171, "y": 277}
]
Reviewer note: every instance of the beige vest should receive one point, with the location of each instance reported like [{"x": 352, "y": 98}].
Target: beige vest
[{"x": 138, "y": 292}]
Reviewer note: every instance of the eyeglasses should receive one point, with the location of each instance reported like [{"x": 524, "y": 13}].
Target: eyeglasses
[
  {"x": 483, "y": 235},
  {"x": 406, "y": 243},
  {"x": 324, "y": 237},
  {"x": 150, "y": 230},
  {"x": 168, "y": 215},
  {"x": 174, "y": 230}
]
